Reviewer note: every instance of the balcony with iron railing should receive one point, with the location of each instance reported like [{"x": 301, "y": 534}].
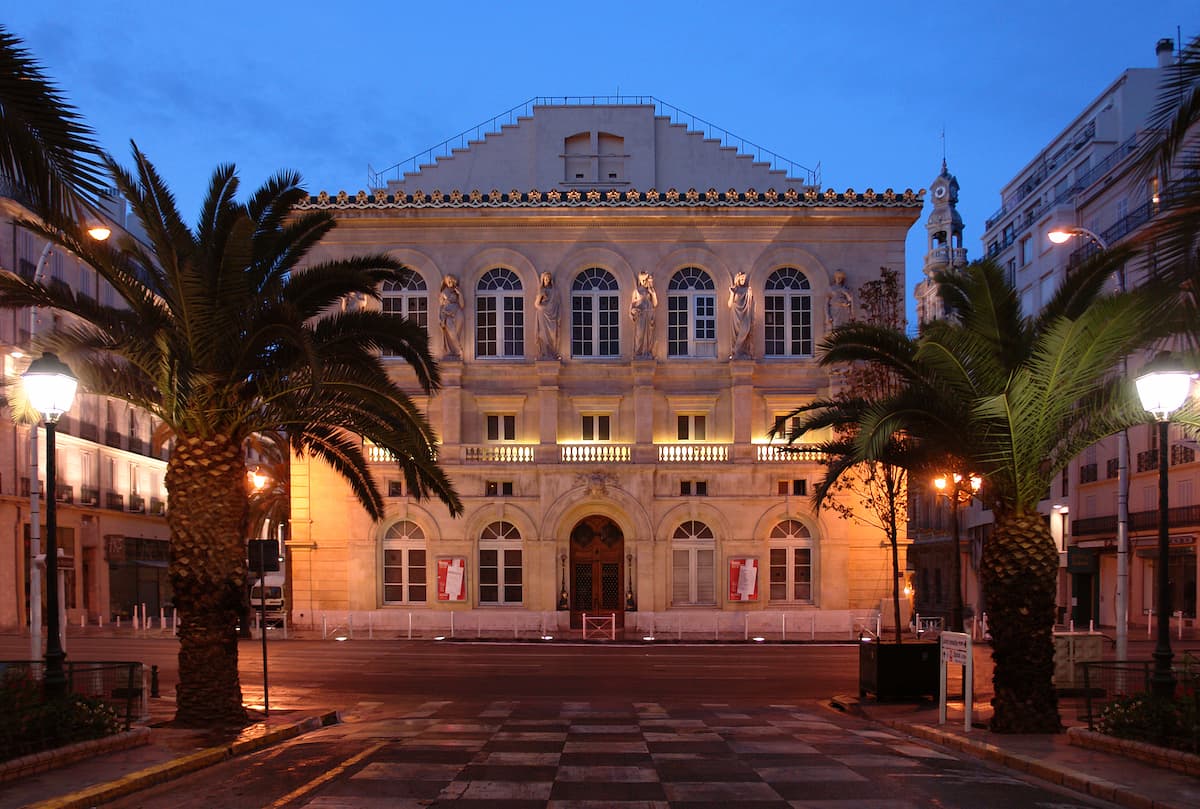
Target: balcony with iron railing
[
  {"x": 137, "y": 504},
  {"x": 114, "y": 501},
  {"x": 1177, "y": 517}
]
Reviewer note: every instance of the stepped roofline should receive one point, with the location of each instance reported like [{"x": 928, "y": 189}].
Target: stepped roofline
[
  {"x": 612, "y": 198},
  {"x": 793, "y": 171}
]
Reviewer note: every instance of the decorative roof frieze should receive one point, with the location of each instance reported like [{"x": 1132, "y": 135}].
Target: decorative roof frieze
[{"x": 613, "y": 198}]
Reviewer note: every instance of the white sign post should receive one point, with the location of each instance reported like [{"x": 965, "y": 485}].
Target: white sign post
[{"x": 956, "y": 648}]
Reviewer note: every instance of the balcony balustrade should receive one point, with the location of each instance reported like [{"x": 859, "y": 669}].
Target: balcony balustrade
[
  {"x": 789, "y": 453},
  {"x": 693, "y": 453},
  {"x": 1177, "y": 517},
  {"x": 595, "y": 453},
  {"x": 498, "y": 453}
]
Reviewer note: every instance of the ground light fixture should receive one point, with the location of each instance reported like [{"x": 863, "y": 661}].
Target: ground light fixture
[
  {"x": 1163, "y": 387},
  {"x": 50, "y": 387}
]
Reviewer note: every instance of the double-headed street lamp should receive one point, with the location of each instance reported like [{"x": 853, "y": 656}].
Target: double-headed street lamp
[
  {"x": 50, "y": 387},
  {"x": 1163, "y": 387},
  {"x": 959, "y": 490}
]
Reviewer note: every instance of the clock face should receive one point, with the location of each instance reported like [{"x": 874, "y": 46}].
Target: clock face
[{"x": 940, "y": 191}]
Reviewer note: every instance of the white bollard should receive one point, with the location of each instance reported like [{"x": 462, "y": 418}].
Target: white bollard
[
  {"x": 118, "y": 622},
  {"x": 82, "y": 621},
  {"x": 1092, "y": 625},
  {"x": 746, "y": 627},
  {"x": 812, "y": 626},
  {"x": 350, "y": 624},
  {"x": 783, "y": 615},
  {"x": 410, "y": 626},
  {"x": 162, "y": 617},
  {"x": 324, "y": 628},
  {"x": 451, "y": 624},
  {"x": 370, "y": 627}
]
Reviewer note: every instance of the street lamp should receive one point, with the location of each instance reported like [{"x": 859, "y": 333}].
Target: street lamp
[
  {"x": 1062, "y": 235},
  {"x": 957, "y": 489},
  {"x": 1065, "y": 234},
  {"x": 50, "y": 387},
  {"x": 1163, "y": 387}
]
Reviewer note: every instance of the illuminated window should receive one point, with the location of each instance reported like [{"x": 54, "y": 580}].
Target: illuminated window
[
  {"x": 404, "y": 564},
  {"x": 499, "y": 315},
  {"x": 691, "y": 314},
  {"x": 787, "y": 314}
]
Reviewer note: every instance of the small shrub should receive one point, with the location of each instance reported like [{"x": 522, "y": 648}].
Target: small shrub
[
  {"x": 29, "y": 723},
  {"x": 1173, "y": 723}
]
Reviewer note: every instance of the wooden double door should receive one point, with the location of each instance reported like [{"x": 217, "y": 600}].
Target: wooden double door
[{"x": 597, "y": 570}]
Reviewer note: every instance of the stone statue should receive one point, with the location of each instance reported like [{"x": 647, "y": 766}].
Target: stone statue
[
  {"x": 641, "y": 310},
  {"x": 741, "y": 312},
  {"x": 451, "y": 316},
  {"x": 547, "y": 306},
  {"x": 839, "y": 309}
]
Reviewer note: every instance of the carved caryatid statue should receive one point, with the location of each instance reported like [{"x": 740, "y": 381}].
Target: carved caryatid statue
[{"x": 641, "y": 311}]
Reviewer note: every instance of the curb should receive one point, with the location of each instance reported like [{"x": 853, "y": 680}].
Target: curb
[
  {"x": 62, "y": 756},
  {"x": 161, "y": 773},
  {"x": 1062, "y": 776}
]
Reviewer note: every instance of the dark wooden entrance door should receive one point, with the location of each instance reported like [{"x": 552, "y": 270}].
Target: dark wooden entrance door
[{"x": 597, "y": 570}]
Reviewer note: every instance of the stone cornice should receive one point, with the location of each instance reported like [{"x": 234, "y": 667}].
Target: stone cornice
[{"x": 612, "y": 198}]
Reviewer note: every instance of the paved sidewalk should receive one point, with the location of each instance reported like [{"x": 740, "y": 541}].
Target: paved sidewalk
[{"x": 167, "y": 753}]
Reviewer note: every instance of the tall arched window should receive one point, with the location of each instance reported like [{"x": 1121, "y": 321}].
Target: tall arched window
[
  {"x": 691, "y": 314},
  {"x": 791, "y": 562},
  {"x": 404, "y": 564},
  {"x": 499, "y": 315},
  {"x": 500, "y": 576},
  {"x": 408, "y": 298},
  {"x": 595, "y": 317},
  {"x": 787, "y": 314},
  {"x": 693, "y": 565}
]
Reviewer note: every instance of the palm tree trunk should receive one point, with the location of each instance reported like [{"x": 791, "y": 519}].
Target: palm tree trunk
[
  {"x": 206, "y": 481},
  {"x": 1019, "y": 571}
]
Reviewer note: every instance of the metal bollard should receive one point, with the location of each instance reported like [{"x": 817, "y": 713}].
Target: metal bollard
[{"x": 154, "y": 681}]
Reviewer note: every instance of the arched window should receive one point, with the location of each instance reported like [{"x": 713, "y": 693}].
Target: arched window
[
  {"x": 499, "y": 315},
  {"x": 404, "y": 564},
  {"x": 791, "y": 563},
  {"x": 500, "y": 565},
  {"x": 691, "y": 314},
  {"x": 693, "y": 565},
  {"x": 595, "y": 317},
  {"x": 408, "y": 298},
  {"x": 787, "y": 314}
]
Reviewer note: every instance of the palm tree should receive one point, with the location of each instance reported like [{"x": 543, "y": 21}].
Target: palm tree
[
  {"x": 221, "y": 336},
  {"x": 47, "y": 153},
  {"x": 1018, "y": 397}
]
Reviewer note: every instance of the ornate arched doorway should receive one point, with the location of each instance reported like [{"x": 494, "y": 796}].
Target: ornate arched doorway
[{"x": 597, "y": 570}]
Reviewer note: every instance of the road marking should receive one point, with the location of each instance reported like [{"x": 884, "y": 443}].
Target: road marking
[{"x": 329, "y": 775}]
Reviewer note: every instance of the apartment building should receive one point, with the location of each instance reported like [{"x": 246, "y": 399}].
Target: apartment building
[{"x": 110, "y": 496}]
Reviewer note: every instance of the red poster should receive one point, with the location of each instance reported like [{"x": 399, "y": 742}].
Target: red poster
[
  {"x": 452, "y": 573},
  {"x": 743, "y": 578}
]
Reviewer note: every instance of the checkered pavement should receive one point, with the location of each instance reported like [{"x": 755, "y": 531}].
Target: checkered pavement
[{"x": 642, "y": 755}]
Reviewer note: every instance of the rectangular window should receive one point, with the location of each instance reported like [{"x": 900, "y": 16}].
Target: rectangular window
[
  {"x": 498, "y": 488},
  {"x": 677, "y": 326},
  {"x": 691, "y": 428},
  {"x": 501, "y": 427},
  {"x": 485, "y": 327},
  {"x": 596, "y": 428},
  {"x": 693, "y": 576},
  {"x": 395, "y": 488},
  {"x": 791, "y": 574},
  {"x": 500, "y": 576},
  {"x": 688, "y": 488},
  {"x": 797, "y": 487},
  {"x": 1026, "y": 250},
  {"x": 702, "y": 488},
  {"x": 685, "y": 488},
  {"x": 514, "y": 326},
  {"x": 404, "y": 575}
]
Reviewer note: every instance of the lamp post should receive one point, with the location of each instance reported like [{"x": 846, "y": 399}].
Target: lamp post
[
  {"x": 955, "y": 487},
  {"x": 50, "y": 387},
  {"x": 99, "y": 231},
  {"x": 1163, "y": 387},
  {"x": 1121, "y": 595},
  {"x": 258, "y": 482}
]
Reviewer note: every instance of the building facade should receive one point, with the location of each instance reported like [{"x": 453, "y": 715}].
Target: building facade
[
  {"x": 623, "y": 309},
  {"x": 110, "y": 496},
  {"x": 1085, "y": 179}
]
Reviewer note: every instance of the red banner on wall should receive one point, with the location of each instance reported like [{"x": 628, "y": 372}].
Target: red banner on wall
[
  {"x": 452, "y": 578},
  {"x": 743, "y": 578}
]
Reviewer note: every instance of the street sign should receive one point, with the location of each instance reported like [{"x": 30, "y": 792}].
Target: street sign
[
  {"x": 956, "y": 648},
  {"x": 263, "y": 555}
]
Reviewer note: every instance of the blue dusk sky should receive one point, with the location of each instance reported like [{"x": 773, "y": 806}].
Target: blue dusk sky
[{"x": 865, "y": 89}]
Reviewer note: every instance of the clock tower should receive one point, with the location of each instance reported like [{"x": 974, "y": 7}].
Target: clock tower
[{"x": 945, "y": 252}]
